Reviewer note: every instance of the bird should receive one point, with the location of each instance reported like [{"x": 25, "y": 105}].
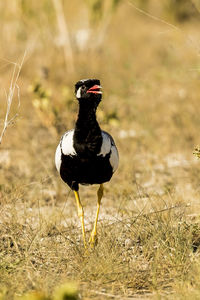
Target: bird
[{"x": 87, "y": 155}]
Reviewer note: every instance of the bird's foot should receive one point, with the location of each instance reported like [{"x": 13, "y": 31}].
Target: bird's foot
[{"x": 93, "y": 239}]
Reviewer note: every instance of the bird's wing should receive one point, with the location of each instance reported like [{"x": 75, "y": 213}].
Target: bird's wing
[
  {"x": 65, "y": 147},
  {"x": 58, "y": 155},
  {"x": 109, "y": 147},
  {"x": 66, "y": 143}
]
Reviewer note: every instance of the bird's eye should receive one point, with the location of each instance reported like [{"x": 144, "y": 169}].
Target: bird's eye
[{"x": 83, "y": 87}]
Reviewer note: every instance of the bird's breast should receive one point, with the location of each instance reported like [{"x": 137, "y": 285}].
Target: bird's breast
[
  {"x": 85, "y": 170},
  {"x": 87, "y": 145}
]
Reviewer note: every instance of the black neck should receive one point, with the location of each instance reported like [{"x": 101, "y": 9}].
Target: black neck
[{"x": 87, "y": 135}]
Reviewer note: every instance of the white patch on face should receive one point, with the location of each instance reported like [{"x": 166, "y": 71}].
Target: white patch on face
[
  {"x": 67, "y": 143},
  {"x": 78, "y": 93},
  {"x": 58, "y": 158}
]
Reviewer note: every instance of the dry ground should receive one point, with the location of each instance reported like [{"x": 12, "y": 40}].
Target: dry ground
[{"x": 149, "y": 228}]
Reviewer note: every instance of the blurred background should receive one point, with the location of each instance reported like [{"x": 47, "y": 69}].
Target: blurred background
[{"x": 147, "y": 55}]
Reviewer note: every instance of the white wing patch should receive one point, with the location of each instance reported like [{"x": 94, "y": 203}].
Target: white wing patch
[
  {"x": 108, "y": 146},
  {"x": 58, "y": 158},
  {"x": 66, "y": 147},
  {"x": 114, "y": 158},
  {"x": 66, "y": 143}
]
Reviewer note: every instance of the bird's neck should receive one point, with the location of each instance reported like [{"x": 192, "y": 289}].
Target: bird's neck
[
  {"x": 86, "y": 122},
  {"x": 87, "y": 130}
]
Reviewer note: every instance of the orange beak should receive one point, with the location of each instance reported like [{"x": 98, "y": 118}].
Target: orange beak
[{"x": 95, "y": 89}]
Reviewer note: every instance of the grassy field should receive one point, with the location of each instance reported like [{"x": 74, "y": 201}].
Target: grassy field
[{"x": 149, "y": 225}]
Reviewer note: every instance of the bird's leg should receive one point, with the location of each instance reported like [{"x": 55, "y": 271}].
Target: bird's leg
[
  {"x": 94, "y": 231},
  {"x": 80, "y": 215}
]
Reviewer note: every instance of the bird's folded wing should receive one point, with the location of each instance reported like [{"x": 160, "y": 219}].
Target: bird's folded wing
[{"x": 109, "y": 147}]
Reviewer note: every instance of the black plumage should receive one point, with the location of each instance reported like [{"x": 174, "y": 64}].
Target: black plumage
[
  {"x": 85, "y": 169},
  {"x": 86, "y": 154}
]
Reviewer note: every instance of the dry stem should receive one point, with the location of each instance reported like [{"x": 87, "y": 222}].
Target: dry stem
[
  {"x": 64, "y": 35},
  {"x": 13, "y": 86}
]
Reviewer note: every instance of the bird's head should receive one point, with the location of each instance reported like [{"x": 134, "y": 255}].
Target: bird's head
[{"x": 88, "y": 91}]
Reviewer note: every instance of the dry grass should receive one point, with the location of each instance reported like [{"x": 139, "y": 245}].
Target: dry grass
[{"x": 149, "y": 229}]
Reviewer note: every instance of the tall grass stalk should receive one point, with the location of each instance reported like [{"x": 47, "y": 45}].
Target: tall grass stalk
[
  {"x": 10, "y": 96},
  {"x": 64, "y": 35}
]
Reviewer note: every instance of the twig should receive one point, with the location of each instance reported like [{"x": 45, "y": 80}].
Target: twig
[
  {"x": 13, "y": 86},
  {"x": 153, "y": 17},
  {"x": 103, "y": 28},
  {"x": 196, "y": 4},
  {"x": 188, "y": 38},
  {"x": 118, "y": 296}
]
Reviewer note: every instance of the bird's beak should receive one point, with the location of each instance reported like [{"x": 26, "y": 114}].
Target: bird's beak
[{"x": 95, "y": 89}]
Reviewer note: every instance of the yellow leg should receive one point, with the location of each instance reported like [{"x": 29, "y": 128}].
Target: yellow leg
[
  {"x": 94, "y": 231},
  {"x": 80, "y": 215}
]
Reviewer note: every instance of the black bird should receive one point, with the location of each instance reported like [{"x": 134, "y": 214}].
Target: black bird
[{"x": 87, "y": 155}]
